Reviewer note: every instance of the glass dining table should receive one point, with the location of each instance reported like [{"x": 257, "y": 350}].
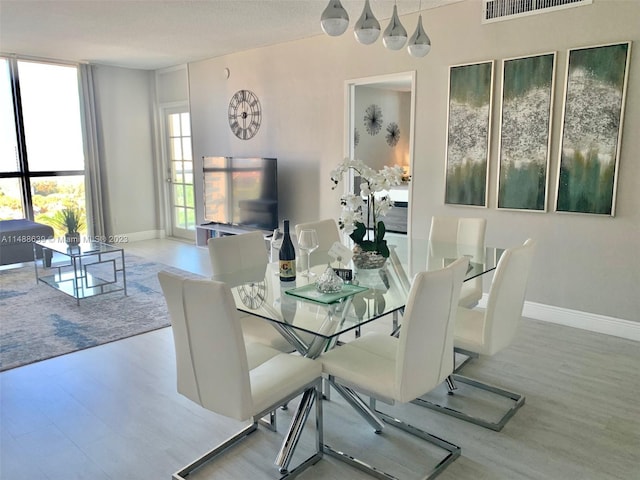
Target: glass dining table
[{"x": 313, "y": 323}]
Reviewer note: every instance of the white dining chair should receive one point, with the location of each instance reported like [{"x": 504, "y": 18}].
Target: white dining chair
[
  {"x": 219, "y": 372},
  {"x": 489, "y": 331},
  {"x": 242, "y": 259},
  {"x": 468, "y": 233},
  {"x": 328, "y": 234},
  {"x": 401, "y": 369}
]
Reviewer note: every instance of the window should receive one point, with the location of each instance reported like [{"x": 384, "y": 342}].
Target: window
[
  {"x": 41, "y": 150},
  {"x": 181, "y": 170}
]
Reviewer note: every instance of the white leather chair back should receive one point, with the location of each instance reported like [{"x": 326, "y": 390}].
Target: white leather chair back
[
  {"x": 469, "y": 234},
  {"x": 443, "y": 229},
  {"x": 506, "y": 296},
  {"x": 172, "y": 288},
  {"x": 471, "y": 231},
  {"x": 237, "y": 259},
  {"x": 211, "y": 359},
  {"x": 425, "y": 348},
  {"x": 217, "y": 349},
  {"x": 328, "y": 234}
]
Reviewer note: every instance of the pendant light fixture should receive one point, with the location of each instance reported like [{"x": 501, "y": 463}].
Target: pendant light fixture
[
  {"x": 395, "y": 36},
  {"x": 334, "y": 19},
  {"x": 367, "y": 28},
  {"x": 419, "y": 43}
]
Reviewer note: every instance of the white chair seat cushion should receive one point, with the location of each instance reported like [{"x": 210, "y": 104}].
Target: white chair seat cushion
[
  {"x": 470, "y": 294},
  {"x": 286, "y": 371},
  {"x": 468, "y": 332},
  {"x": 384, "y": 345},
  {"x": 258, "y": 330},
  {"x": 258, "y": 353},
  {"x": 357, "y": 365}
]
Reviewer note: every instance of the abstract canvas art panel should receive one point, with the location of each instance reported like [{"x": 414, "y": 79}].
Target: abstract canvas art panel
[
  {"x": 468, "y": 133},
  {"x": 525, "y": 126},
  {"x": 592, "y": 129}
]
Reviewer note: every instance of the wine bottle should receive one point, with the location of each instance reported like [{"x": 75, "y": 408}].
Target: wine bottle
[{"x": 287, "y": 257}]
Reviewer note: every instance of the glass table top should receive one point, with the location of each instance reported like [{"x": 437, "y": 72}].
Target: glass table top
[
  {"x": 259, "y": 292},
  {"x": 77, "y": 250}
]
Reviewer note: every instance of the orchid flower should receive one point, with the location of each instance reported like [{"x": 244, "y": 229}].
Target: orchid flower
[{"x": 356, "y": 219}]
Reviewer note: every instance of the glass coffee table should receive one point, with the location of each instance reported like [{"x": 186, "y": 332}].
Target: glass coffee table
[{"x": 81, "y": 270}]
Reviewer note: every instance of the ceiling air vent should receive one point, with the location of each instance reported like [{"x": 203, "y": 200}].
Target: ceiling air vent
[{"x": 497, "y": 10}]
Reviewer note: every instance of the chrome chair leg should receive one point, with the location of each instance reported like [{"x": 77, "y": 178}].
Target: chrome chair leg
[
  {"x": 326, "y": 389},
  {"x": 271, "y": 422},
  {"x": 453, "y": 451},
  {"x": 310, "y": 392},
  {"x": 230, "y": 442},
  {"x": 468, "y": 357},
  {"x": 451, "y": 385},
  {"x": 496, "y": 426}
]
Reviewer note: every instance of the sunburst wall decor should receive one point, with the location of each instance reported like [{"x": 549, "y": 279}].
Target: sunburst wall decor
[
  {"x": 393, "y": 134},
  {"x": 373, "y": 119}
]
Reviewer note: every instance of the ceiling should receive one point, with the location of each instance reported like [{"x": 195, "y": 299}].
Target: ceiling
[{"x": 153, "y": 34}]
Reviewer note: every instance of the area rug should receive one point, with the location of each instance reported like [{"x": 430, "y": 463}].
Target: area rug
[{"x": 38, "y": 322}]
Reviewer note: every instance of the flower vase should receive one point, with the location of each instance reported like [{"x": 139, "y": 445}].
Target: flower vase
[{"x": 363, "y": 260}]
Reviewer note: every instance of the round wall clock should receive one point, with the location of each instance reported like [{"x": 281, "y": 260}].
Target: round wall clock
[
  {"x": 245, "y": 114},
  {"x": 253, "y": 294}
]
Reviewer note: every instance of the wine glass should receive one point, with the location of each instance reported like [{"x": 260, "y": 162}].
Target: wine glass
[{"x": 308, "y": 242}]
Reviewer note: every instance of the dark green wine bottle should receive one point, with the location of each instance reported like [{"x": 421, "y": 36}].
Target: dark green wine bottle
[{"x": 287, "y": 257}]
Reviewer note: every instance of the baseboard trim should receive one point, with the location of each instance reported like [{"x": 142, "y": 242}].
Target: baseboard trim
[
  {"x": 592, "y": 322},
  {"x": 138, "y": 236}
]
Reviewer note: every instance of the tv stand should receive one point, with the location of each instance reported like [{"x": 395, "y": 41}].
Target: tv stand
[{"x": 208, "y": 230}]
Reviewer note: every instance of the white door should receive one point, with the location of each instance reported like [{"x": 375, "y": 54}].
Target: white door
[{"x": 180, "y": 173}]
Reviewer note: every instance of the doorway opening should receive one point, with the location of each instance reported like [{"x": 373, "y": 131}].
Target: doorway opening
[{"x": 380, "y": 119}]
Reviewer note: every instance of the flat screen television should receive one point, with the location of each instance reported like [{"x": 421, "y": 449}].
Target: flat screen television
[{"x": 241, "y": 191}]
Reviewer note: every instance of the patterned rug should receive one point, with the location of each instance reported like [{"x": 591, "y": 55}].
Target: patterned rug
[{"x": 38, "y": 322}]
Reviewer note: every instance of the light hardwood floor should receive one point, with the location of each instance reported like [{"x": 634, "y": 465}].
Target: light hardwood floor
[{"x": 112, "y": 412}]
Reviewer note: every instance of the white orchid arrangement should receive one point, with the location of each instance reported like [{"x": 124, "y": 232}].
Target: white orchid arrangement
[{"x": 374, "y": 188}]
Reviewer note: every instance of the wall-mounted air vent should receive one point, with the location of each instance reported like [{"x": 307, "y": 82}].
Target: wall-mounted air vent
[{"x": 497, "y": 10}]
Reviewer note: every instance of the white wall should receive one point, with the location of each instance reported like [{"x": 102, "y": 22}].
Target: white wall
[
  {"x": 124, "y": 99},
  {"x": 586, "y": 263}
]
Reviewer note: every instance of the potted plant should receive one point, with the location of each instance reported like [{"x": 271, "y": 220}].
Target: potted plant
[
  {"x": 70, "y": 220},
  {"x": 361, "y": 214}
]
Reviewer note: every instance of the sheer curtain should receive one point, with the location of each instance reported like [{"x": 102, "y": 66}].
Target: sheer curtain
[{"x": 93, "y": 182}]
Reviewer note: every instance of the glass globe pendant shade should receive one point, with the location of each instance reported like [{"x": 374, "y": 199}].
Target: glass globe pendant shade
[
  {"x": 395, "y": 36},
  {"x": 335, "y": 19},
  {"x": 367, "y": 28},
  {"x": 419, "y": 43}
]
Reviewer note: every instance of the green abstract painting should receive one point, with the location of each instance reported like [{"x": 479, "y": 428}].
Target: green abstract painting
[
  {"x": 470, "y": 95},
  {"x": 591, "y": 133},
  {"x": 525, "y": 122}
]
